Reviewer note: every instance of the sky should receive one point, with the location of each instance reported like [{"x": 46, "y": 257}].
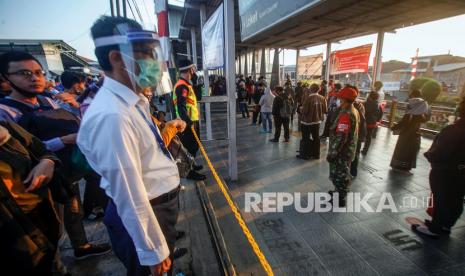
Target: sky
[
  {"x": 70, "y": 20},
  {"x": 67, "y": 20}
]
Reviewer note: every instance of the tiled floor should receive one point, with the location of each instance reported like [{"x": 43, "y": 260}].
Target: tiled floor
[{"x": 358, "y": 243}]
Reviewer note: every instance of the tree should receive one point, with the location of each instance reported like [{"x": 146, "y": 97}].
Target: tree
[{"x": 430, "y": 88}]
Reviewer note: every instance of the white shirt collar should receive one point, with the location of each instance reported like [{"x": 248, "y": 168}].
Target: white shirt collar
[{"x": 121, "y": 90}]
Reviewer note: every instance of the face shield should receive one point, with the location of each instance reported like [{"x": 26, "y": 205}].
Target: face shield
[{"x": 140, "y": 51}]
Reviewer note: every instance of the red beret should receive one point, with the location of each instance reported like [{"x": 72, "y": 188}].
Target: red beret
[{"x": 348, "y": 93}]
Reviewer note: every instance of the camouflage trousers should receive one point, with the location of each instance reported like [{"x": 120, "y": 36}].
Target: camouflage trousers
[{"x": 339, "y": 174}]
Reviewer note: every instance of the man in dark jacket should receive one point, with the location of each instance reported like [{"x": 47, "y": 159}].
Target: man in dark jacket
[
  {"x": 257, "y": 95},
  {"x": 43, "y": 118},
  {"x": 311, "y": 115},
  {"x": 373, "y": 115},
  {"x": 447, "y": 178},
  {"x": 29, "y": 226},
  {"x": 282, "y": 109}
]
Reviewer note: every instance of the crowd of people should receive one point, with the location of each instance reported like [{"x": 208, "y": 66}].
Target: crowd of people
[
  {"x": 104, "y": 132},
  {"x": 351, "y": 123},
  {"x": 108, "y": 132}
]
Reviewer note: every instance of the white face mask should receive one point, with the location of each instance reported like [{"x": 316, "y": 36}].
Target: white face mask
[{"x": 338, "y": 102}]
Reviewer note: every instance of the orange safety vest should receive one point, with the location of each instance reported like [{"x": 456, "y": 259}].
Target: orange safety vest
[{"x": 191, "y": 101}]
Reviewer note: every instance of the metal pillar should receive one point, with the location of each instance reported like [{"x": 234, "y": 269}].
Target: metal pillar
[
  {"x": 112, "y": 8},
  {"x": 194, "y": 59},
  {"x": 246, "y": 64},
  {"x": 194, "y": 46},
  {"x": 328, "y": 61},
  {"x": 228, "y": 6},
  {"x": 206, "y": 81},
  {"x": 240, "y": 64},
  {"x": 275, "y": 70},
  {"x": 378, "y": 56},
  {"x": 263, "y": 64},
  {"x": 188, "y": 47},
  {"x": 297, "y": 54},
  {"x": 283, "y": 75},
  {"x": 117, "y": 8},
  {"x": 125, "y": 14},
  {"x": 254, "y": 71}
]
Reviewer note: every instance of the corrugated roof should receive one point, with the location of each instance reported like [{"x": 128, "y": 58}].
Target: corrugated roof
[{"x": 449, "y": 67}]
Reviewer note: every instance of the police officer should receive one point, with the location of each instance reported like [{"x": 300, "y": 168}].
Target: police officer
[
  {"x": 185, "y": 106},
  {"x": 343, "y": 142}
]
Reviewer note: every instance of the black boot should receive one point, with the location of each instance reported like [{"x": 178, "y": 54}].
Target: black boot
[{"x": 193, "y": 175}]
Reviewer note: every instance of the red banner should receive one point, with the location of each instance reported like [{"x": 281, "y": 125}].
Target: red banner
[{"x": 353, "y": 60}]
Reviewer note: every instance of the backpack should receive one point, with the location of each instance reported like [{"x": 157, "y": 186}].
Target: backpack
[
  {"x": 242, "y": 94},
  {"x": 46, "y": 123},
  {"x": 286, "y": 109}
]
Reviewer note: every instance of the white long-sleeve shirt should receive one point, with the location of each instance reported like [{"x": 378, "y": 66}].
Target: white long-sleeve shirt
[
  {"x": 120, "y": 146},
  {"x": 266, "y": 101}
]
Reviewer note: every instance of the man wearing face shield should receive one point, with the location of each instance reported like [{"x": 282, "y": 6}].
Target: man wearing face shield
[
  {"x": 185, "y": 106},
  {"x": 121, "y": 142}
]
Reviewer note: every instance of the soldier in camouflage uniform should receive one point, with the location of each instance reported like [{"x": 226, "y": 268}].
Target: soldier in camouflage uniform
[{"x": 343, "y": 142}]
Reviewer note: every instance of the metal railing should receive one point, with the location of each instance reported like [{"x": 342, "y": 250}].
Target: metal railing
[{"x": 441, "y": 116}]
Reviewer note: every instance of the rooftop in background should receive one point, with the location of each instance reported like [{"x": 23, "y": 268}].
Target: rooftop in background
[
  {"x": 342, "y": 19},
  {"x": 55, "y": 55}
]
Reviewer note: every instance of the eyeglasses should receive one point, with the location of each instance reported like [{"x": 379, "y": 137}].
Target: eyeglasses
[
  {"x": 147, "y": 51},
  {"x": 27, "y": 74}
]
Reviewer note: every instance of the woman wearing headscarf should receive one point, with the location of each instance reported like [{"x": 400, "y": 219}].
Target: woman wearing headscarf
[{"x": 408, "y": 144}]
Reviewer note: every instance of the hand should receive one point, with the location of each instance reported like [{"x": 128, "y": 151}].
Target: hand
[
  {"x": 159, "y": 269},
  {"x": 74, "y": 204},
  {"x": 67, "y": 98},
  {"x": 178, "y": 123},
  {"x": 40, "y": 174},
  {"x": 69, "y": 139}
]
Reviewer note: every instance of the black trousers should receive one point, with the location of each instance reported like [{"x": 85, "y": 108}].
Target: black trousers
[
  {"x": 122, "y": 244},
  {"x": 354, "y": 164},
  {"x": 72, "y": 218},
  {"x": 94, "y": 196},
  {"x": 311, "y": 134},
  {"x": 278, "y": 122},
  {"x": 368, "y": 138},
  {"x": 44, "y": 218},
  {"x": 327, "y": 124},
  {"x": 188, "y": 139},
  {"x": 448, "y": 192},
  {"x": 256, "y": 115}
]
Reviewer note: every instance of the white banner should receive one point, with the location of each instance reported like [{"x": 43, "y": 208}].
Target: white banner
[
  {"x": 309, "y": 66},
  {"x": 213, "y": 40}
]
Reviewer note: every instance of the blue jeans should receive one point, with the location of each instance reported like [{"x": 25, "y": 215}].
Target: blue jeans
[
  {"x": 244, "y": 110},
  {"x": 266, "y": 117}
]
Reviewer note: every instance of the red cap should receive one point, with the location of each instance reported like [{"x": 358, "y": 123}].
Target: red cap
[{"x": 348, "y": 93}]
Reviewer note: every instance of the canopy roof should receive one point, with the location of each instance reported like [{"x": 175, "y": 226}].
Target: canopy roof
[{"x": 334, "y": 20}]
